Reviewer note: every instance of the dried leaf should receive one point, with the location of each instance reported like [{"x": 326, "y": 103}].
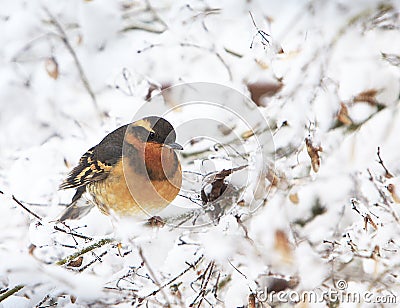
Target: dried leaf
[
  {"x": 76, "y": 263},
  {"x": 241, "y": 203},
  {"x": 313, "y": 152},
  {"x": 294, "y": 198},
  {"x": 218, "y": 185},
  {"x": 392, "y": 189},
  {"x": 51, "y": 67},
  {"x": 247, "y": 134},
  {"x": 262, "y": 64},
  {"x": 343, "y": 115},
  {"x": 32, "y": 248},
  {"x": 282, "y": 245},
  {"x": 155, "y": 221},
  {"x": 367, "y": 96},
  {"x": 251, "y": 301},
  {"x": 272, "y": 177},
  {"x": 262, "y": 89}
]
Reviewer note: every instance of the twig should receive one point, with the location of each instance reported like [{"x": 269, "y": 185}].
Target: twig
[
  {"x": 93, "y": 261},
  {"x": 246, "y": 232},
  {"x": 383, "y": 196},
  {"x": 388, "y": 174},
  {"x": 85, "y": 250},
  {"x": 237, "y": 269},
  {"x": 204, "y": 284},
  {"x": 215, "y": 288},
  {"x": 42, "y": 301},
  {"x": 191, "y": 266},
  {"x": 10, "y": 292},
  {"x": 155, "y": 14},
  {"x": 153, "y": 275},
  {"x": 26, "y": 209},
  {"x": 212, "y": 51},
  {"x": 57, "y": 228},
  {"x": 260, "y": 32},
  {"x": 82, "y": 75}
]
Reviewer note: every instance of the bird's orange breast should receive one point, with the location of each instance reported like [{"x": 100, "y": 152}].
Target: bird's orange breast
[{"x": 128, "y": 192}]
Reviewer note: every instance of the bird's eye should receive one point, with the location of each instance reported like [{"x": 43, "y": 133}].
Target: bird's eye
[{"x": 152, "y": 135}]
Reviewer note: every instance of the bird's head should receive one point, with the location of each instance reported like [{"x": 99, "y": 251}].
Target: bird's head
[{"x": 154, "y": 131}]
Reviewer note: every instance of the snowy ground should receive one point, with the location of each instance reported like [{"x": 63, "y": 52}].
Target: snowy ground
[{"x": 327, "y": 212}]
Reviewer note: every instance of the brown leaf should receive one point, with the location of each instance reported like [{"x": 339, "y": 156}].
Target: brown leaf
[
  {"x": 392, "y": 189},
  {"x": 313, "y": 152},
  {"x": 343, "y": 115},
  {"x": 272, "y": 177},
  {"x": 155, "y": 221},
  {"x": 76, "y": 262},
  {"x": 367, "y": 96},
  {"x": 51, "y": 67},
  {"x": 251, "y": 301},
  {"x": 294, "y": 198},
  {"x": 282, "y": 245},
  {"x": 241, "y": 202},
  {"x": 218, "y": 185},
  {"x": 247, "y": 134},
  {"x": 262, "y": 89},
  {"x": 32, "y": 248},
  {"x": 262, "y": 64}
]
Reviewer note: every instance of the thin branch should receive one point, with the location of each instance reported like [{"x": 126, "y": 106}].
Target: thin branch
[
  {"x": 73, "y": 234},
  {"x": 237, "y": 269},
  {"x": 384, "y": 198},
  {"x": 153, "y": 275},
  {"x": 81, "y": 252},
  {"x": 10, "y": 292},
  {"x": 26, "y": 209},
  {"x": 204, "y": 284},
  {"x": 47, "y": 297},
  {"x": 260, "y": 32},
  {"x": 245, "y": 230},
  {"x": 82, "y": 75},
  {"x": 93, "y": 261},
  {"x": 191, "y": 266},
  {"x": 388, "y": 174}
]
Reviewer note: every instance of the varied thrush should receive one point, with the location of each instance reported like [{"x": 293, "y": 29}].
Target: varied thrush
[{"x": 134, "y": 169}]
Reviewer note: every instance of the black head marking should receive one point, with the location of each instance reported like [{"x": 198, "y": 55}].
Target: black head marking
[{"x": 154, "y": 129}]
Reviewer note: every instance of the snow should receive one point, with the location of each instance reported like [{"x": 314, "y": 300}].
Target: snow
[{"x": 278, "y": 218}]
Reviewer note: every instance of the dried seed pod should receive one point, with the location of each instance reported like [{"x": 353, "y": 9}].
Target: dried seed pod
[{"x": 51, "y": 67}]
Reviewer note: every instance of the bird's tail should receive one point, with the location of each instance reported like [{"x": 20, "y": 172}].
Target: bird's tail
[{"x": 78, "y": 208}]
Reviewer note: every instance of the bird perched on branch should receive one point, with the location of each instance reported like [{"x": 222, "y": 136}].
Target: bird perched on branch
[{"x": 134, "y": 169}]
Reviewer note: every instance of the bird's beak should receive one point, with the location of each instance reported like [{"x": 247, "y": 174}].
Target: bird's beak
[{"x": 175, "y": 146}]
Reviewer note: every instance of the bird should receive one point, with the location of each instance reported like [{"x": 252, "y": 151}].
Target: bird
[{"x": 133, "y": 171}]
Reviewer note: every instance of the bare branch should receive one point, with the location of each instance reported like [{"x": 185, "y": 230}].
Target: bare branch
[
  {"x": 79, "y": 253},
  {"x": 191, "y": 266},
  {"x": 26, "y": 209},
  {"x": 67, "y": 43},
  {"x": 10, "y": 292},
  {"x": 154, "y": 277},
  {"x": 388, "y": 174}
]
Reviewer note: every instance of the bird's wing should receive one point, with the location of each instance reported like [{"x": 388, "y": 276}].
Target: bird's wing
[{"x": 97, "y": 162}]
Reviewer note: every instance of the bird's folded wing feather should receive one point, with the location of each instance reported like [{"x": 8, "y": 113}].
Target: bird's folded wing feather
[{"x": 98, "y": 161}]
